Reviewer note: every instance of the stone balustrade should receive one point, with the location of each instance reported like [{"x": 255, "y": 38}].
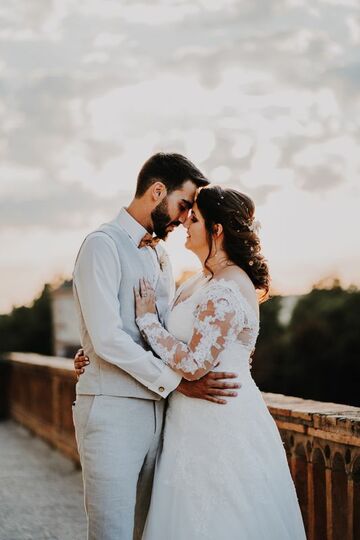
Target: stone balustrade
[
  {"x": 322, "y": 440},
  {"x": 40, "y": 391}
]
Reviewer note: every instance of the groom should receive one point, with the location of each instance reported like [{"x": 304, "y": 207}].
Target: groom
[{"x": 118, "y": 413}]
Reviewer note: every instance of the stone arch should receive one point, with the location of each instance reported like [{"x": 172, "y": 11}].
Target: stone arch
[
  {"x": 356, "y": 503},
  {"x": 318, "y": 462},
  {"x": 301, "y": 480},
  {"x": 339, "y": 497}
]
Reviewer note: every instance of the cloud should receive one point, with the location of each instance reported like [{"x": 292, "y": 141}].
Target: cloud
[
  {"x": 318, "y": 178},
  {"x": 90, "y": 90},
  {"x": 53, "y": 205}
]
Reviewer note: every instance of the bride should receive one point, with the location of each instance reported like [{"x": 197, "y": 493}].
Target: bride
[{"x": 222, "y": 472}]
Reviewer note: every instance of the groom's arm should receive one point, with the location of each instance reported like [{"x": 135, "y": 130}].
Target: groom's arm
[{"x": 97, "y": 276}]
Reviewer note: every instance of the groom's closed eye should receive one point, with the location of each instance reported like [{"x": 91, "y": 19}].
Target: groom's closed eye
[
  {"x": 183, "y": 207},
  {"x": 184, "y": 204}
]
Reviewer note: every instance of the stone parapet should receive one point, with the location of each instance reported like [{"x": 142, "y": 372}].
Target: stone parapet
[
  {"x": 41, "y": 390},
  {"x": 322, "y": 440}
]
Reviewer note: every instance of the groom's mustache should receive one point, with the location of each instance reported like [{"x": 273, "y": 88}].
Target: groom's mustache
[{"x": 174, "y": 223}]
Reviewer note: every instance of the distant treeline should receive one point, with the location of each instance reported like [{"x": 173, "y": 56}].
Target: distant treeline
[
  {"x": 28, "y": 329},
  {"x": 316, "y": 355}
]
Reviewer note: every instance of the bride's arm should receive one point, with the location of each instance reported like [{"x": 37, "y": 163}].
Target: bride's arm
[{"x": 216, "y": 323}]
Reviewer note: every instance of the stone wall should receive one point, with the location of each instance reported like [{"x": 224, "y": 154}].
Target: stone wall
[
  {"x": 41, "y": 390},
  {"x": 322, "y": 440}
]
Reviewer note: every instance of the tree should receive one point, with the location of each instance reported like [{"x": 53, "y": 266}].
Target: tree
[
  {"x": 316, "y": 355},
  {"x": 267, "y": 366},
  {"x": 28, "y": 329}
]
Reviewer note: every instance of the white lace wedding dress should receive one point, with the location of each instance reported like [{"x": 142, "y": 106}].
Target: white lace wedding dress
[{"x": 223, "y": 472}]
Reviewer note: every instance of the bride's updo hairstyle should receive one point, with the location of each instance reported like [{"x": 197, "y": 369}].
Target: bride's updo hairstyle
[{"x": 241, "y": 243}]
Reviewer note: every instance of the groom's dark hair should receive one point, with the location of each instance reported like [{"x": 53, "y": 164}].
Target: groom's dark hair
[{"x": 170, "y": 169}]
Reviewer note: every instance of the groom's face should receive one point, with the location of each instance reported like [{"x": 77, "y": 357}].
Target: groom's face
[{"x": 173, "y": 210}]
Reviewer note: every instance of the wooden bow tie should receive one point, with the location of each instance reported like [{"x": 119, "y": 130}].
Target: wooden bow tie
[{"x": 149, "y": 240}]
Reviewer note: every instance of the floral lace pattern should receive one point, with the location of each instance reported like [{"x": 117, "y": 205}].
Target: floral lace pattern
[{"x": 221, "y": 318}]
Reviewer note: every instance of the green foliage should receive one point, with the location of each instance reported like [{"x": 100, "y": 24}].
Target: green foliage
[
  {"x": 28, "y": 329},
  {"x": 316, "y": 355}
]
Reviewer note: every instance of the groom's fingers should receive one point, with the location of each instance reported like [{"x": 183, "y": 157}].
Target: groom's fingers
[
  {"x": 219, "y": 392},
  {"x": 216, "y": 385},
  {"x": 216, "y": 400},
  {"x": 216, "y": 380},
  {"x": 222, "y": 375}
]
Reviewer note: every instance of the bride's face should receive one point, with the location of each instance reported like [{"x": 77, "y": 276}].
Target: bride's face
[{"x": 196, "y": 239}]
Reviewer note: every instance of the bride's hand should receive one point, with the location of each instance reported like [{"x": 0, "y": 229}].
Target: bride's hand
[{"x": 144, "y": 299}]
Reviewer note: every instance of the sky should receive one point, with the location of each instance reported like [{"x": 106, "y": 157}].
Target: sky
[{"x": 262, "y": 95}]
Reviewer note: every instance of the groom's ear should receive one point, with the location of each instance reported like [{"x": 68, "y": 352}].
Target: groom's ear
[{"x": 158, "y": 191}]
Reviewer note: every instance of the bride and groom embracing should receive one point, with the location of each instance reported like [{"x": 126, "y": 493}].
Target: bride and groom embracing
[{"x": 221, "y": 469}]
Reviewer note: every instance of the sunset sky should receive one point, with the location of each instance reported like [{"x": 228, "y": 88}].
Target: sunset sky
[{"x": 263, "y": 95}]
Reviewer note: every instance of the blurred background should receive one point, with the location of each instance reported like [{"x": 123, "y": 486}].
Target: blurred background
[{"x": 262, "y": 95}]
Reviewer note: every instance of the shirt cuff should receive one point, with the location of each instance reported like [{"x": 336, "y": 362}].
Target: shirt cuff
[{"x": 168, "y": 381}]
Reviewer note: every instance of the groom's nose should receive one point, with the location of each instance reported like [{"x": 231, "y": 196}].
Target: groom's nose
[
  {"x": 186, "y": 223},
  {"x": 184, "y": 216}
]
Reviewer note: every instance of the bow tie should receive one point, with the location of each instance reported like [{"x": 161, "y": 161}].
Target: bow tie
[{"x": 149, "y": 240}]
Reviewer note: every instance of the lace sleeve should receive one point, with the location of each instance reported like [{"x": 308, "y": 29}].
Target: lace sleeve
[{"x": 218, "y": 322}]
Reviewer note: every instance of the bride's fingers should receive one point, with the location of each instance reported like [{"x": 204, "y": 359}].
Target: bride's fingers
[
  {"x": 81, "y": 364},
  {"x": 79, "y": 354},
  {"x": 149, "y": 286},
  {"x": 136, "y": 294}
]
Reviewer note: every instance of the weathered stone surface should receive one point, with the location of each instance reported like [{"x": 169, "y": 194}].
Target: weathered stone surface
[{"x": 41, "y": 496}]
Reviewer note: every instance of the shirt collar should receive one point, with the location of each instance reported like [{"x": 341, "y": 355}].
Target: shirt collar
[{"x": 131, "y": 226}]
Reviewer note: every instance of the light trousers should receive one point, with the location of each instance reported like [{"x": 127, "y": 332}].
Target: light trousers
[{"x": 118, "y": 439}]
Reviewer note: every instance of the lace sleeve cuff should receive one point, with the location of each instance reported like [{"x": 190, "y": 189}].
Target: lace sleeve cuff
[{"x": 146, "y": 320}]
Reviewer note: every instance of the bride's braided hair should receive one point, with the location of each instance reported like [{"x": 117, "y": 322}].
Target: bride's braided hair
[{"x": 241, "y": 243}]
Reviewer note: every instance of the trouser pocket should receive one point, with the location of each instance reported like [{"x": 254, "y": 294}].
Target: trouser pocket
[{"x": 82, "y": 411}]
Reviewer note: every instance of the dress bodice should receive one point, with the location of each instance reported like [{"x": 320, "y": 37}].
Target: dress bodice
[
  {"x": 213, "y": 324},
  {"x": 181, "y": 317}
]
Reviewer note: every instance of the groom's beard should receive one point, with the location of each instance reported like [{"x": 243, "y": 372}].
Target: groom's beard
[{"x": 162, "y": 221}]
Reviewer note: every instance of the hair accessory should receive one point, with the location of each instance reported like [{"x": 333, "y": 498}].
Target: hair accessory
[
  {"x": 255, "y": 226},
  {"x": 251, "y": 263}
]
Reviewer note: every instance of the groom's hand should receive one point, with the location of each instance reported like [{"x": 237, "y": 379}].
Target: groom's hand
[{"x": 214, "y": 386}]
